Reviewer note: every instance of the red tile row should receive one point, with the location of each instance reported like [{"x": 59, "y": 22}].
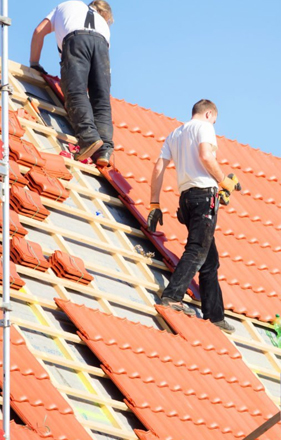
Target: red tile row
[
  {"x": 35, "y": 400},
  {"x": 173, "y": 383},
  {"x": 237, "y": 222},
  {"x": 20, "y": 432}
]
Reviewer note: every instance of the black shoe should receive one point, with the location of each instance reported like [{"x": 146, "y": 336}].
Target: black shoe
[
  {"x": 86, "y": 152},
  {"x": 102, "y": 159},
  {"x": 225, "y": 326},
  {"x": 180, "y": 307}
]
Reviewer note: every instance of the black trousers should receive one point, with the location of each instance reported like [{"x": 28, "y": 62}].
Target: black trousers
[
  {"x": 199, "y": 213},
  {"x": 85, "y": 65}
]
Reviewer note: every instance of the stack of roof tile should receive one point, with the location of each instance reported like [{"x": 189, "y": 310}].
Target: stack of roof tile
[
  {"x": 55, "y": 167},
  {"x": 70, "y": 267},
  {"x": 24, "y": 152},
  {"x": 15, "y": 226},
  {"x": 28, "y": 203},
  {"x": 15, "y": 128},
  {"x": 15, "y": 280},
  {"x": 28, "y": 253},
  {"x": 45, "y": 185},
  {"x": 15, "y": 176}
]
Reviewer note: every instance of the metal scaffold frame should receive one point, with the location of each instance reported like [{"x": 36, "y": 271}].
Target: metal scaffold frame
[{"x": 4, "y": 196}]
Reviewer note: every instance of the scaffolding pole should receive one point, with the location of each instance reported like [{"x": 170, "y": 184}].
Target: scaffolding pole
[{"x": 4, "y": 197}]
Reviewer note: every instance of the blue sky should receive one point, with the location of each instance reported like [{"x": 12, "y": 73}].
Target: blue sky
[{"x": 167, "y": 55}]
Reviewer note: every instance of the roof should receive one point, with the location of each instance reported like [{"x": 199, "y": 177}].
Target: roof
[
  {"x": 75, "y": 377},
  {"x": 169, "y": 382},
  {"x": 248, "y": 232}
]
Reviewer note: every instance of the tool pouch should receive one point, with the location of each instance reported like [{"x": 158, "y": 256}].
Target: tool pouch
[
  {"x": 217, "y": 202},
  {"x": 180, "y": 216}
]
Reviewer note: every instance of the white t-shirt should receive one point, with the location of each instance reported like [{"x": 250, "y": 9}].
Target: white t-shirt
[
  {"x": 70, "y": 16},
  {"x": 182, "y": 146}
]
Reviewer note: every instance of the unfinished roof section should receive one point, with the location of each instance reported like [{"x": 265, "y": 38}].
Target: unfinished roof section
[{"x": 93, "y": 225}]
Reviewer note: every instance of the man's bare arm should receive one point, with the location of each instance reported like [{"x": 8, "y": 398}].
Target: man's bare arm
[
  {"x": 157, "y": 179},
  {"x": 210, "y": 162},
  {"x": 44, "y": 28}
]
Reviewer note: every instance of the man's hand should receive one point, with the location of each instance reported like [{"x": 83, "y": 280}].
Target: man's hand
[
  {"x": 154, "y": 217},
  {"x": 38, "y": 67},
  {"x": 229, "y": 183}
]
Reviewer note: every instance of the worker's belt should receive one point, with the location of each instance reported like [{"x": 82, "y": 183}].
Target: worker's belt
[
  {"x": 210, "y": 190},
  {"x": 82, "y": 32}
]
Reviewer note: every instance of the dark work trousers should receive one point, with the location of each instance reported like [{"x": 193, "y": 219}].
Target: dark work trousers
[
  {"x": 200, "y": 218},
  {"x": 85, "y": 65}
]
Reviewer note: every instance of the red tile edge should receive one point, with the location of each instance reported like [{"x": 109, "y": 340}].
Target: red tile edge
[
  {"x": 116, "y": 179},
  {"x": 144, "y": 435},
  {"x": 159, "y": 242},
  {"x": 54, "y": 83}
]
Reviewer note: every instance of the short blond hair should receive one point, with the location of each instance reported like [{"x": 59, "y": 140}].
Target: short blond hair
[
  {"x": 202, "y": 106},
  {"x": 104, "y": 9}
]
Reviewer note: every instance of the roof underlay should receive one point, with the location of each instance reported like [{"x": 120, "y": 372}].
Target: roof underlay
[{"x": 92, "y": 354}]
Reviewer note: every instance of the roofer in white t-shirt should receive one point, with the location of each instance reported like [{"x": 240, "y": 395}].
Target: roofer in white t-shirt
[
  {"x": 82, "y": 34},
  {"x": 192, "y": 147}
]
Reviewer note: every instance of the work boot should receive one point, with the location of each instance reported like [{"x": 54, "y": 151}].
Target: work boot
[
  {"x": 102, "y": 159},
  {"x": 225, "y": 326},
  {"x": 180, "y": 307},
  {"x": 86, "y": 152}
]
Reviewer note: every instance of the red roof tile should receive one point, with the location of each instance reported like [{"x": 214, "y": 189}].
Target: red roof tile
[
  {"x": 55, "y": 167},
  {"x": 15, "y": 128},
  {"x": 28, "y": 253},
  {"x": 15, "y": 176},
  {"x": 248, "y": 231},
  {"x": 33, "y": 397},
  {"x": 20, "y": 432},
  {"x": 15, "y": 280},
  {"x": 70, "y": 267},
  {"x": 46, "y": 185},
  {"x": 16, "y": 227},
  {"x": 24, "y": 152},
  {"x": 173, "y": 383},
  {"x": 28, "y": 203}
]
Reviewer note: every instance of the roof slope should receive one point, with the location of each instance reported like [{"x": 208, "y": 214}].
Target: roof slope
[
  {"x": 248, "y": 232},
  {"x": 90, "y": 225},
  {"x": 171, "y": 383}
]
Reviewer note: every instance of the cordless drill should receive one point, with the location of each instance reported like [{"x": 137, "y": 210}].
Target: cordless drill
[{"x": 224, "y": 194}]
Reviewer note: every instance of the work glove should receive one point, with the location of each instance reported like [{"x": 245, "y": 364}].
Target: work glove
[
  {"x": 229, "y": 183},
  {"x": 155, "y": 215},
  {"x": 38, "y": 67}
]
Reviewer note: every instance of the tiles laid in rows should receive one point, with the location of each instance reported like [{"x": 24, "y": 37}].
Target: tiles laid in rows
[
  {"x": 20, "y": 432},
  {"x": 202, "y": 380},
  {"x": 35, "y": 400}
]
